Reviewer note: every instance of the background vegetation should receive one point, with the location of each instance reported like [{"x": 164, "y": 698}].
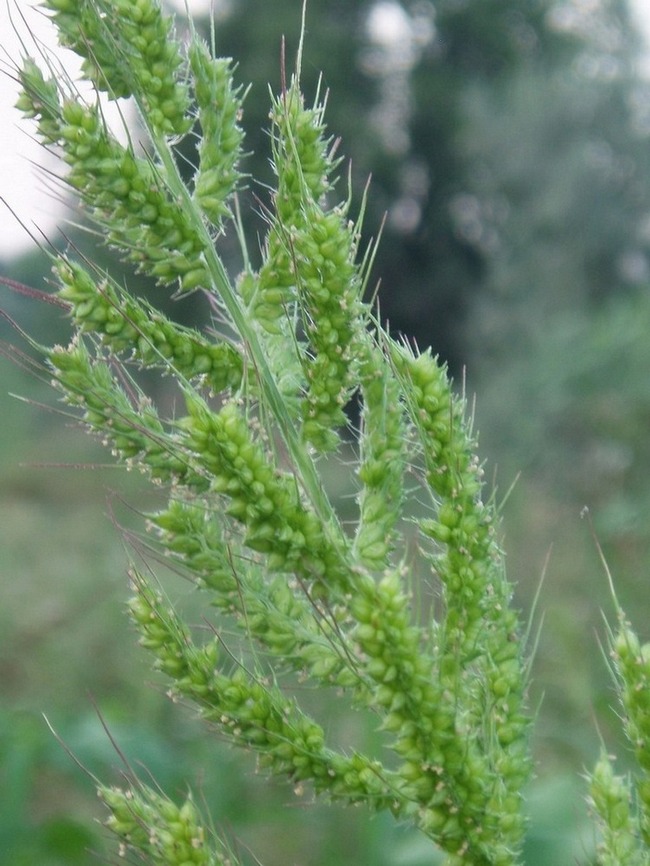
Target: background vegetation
[{"x": 508, "y": 143}]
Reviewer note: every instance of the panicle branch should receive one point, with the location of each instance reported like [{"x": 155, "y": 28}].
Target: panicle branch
[
  {"x": 622, "y": 804},
  {"x": 160, "y": 832}
]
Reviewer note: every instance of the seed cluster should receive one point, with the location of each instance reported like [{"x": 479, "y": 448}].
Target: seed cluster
[
  {"x": 382, "y": 465},
  {"x": 133, "y": 430},
  {"x": 632, "y": 663},
  {"x": 622, "y": 803},
  {"x": 329, "y": 285},
  {"x": 611, "y": 798},
  {"x": 149, "y": 823},
  {"x": 302, "y": 638},
  {"x": 128, "y": 50},
  {"x": 302, "y": 162},
  {"x": 128, "y": 325},
  {"x": 249, "y": 516},
  {"x": 310, "y": 262},
  {"x": 218, "y": 111},
  {"x": 127, "y": 195},
  {"x": 249, "y": 711},
  {"x": 266, "y": 501},
  {"x": 480, "y": 660}
]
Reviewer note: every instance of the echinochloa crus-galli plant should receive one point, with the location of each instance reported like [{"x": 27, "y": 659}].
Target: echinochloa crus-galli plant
[
  {"x": 264, "y": 392},
  {"x": 621, "y": 804}
]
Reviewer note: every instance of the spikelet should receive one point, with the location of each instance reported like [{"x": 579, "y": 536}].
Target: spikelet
[
  {"x": 219, "y": 109},
  {"x": 128, "y": 50},
  {"x": 152, "y": 826},
  {"x": 146, "y": 335}
]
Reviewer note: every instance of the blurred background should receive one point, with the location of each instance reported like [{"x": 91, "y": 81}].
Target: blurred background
[{"x": 509, "y": 147}]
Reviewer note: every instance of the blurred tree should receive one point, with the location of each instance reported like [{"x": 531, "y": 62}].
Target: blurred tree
[
  {"x": 559, "y": 200},
  {"x": 461, "y": 111},
  {"x": 557, "y": 197},
  {"x": 405, "y": 70}
]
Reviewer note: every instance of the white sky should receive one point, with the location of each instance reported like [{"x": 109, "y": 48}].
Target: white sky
[{"x": 20, "y": 183}]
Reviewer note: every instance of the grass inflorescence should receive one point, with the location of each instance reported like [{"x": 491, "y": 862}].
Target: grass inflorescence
[{"x": 265, "y": 393}]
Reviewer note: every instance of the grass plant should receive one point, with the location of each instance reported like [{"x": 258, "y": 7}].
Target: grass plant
[{"x": 294, "y": 593}]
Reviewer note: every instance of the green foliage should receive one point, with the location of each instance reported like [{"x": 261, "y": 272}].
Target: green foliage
[{"x": 249, "y": 519}]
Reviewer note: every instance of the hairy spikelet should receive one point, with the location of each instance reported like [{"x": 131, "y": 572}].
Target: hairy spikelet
[
  {"x": 622, "y": 803},
  {"x": 128, "y": 50},
  {"x": 128, "y": 326},
  {"x": 151, "y": 826},
  {"x": 219, "y": 108}
]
